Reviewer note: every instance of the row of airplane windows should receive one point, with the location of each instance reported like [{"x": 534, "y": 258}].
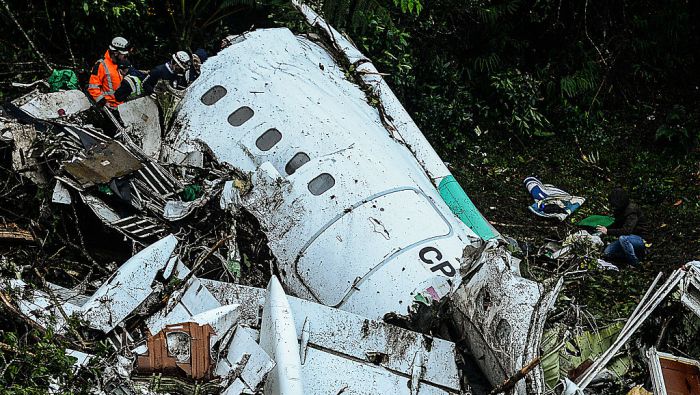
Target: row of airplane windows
[{"x": 317, "y": 186}]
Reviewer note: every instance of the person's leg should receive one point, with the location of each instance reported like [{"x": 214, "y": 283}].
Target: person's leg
[
  {"x": 614, "y": 250},
  {"x": 632, "y": 245}
]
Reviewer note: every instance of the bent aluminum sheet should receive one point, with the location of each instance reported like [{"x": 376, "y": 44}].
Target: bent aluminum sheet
[
  {"x": 102, "y": 163},
  {"x": 691, "y": 287},
  {"x": 128, "y": 287},
  {"x": 141, "y": 119},
  {"x": 41, "y": 308},
  {"x": 47, "y": 106},
  {"x": 342, "y": 345}
]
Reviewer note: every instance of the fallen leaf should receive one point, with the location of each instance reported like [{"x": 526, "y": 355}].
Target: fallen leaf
[{"x": 678, "y": 202}]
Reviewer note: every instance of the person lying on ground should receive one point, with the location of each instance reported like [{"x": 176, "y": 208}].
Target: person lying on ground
[{"x": 629, "y": 228}]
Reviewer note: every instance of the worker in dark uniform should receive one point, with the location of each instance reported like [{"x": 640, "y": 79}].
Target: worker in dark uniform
[
  {"x": 172, "y": 70},
  {"x": 629, "y": 227}
]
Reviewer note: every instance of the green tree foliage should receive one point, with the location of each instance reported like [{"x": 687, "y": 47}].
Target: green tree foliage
[
  {"x": 531, "y": 67},
  {"x": 34, "y": 362}
]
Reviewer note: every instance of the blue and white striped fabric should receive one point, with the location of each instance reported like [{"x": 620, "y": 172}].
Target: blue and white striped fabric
[{"x": 550, "y": 201}]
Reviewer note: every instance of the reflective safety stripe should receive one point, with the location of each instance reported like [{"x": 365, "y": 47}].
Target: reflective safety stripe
[
  {"x": 134, "y": 84},
  {"x": 109, "y": 78},
  {"x": 131, "y": 84},
  {"x": 100, "y": 97},
  {"x": 93, "y": 86}
]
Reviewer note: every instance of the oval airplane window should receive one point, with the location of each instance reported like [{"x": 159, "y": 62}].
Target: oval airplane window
[
  {"x": 213, "y": 95},
  {"x": 268, "y": 139},
  {"x": 240, "y": 116},
  {"x": 297, "y": 161},
  {"x": 321, "y": 184}
]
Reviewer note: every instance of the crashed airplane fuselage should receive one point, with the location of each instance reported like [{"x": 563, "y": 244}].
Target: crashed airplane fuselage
[{"x": 352, "y": 212}]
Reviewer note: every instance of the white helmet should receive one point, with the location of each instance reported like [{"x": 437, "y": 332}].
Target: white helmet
[
  {"x": 182, "y": 59},
  {"x": 120, "y": 44}
]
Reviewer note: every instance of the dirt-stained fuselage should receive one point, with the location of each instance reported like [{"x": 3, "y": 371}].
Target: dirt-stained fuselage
[{"x": 351, "y": 212}]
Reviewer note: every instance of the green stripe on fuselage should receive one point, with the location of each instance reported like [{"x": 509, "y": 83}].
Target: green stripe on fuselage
[{"x": 460, "y": 204}]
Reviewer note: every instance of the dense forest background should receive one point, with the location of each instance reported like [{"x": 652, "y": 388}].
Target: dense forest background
[{"x": 585, "y": 94}]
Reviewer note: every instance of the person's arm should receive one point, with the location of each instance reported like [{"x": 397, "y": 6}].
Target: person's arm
[
  {"x": 95, "y": 84},
  {"x": 627, "y": 227},
  {"x": 149, "y": 83},
  {"x": 123, "y": 91}
]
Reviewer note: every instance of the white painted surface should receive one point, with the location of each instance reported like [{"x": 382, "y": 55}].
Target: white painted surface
[
  {"x": 278, "y": 338},
  {"x": 128, "y": 287},
  {"x": 347, "y": 338},
  {"x": 319, "y": 112},
  {"x": 141, "y": 118},
  {"x": 60, "y": 194},
  {"x": 46, "y": 106},
  {"x": 257, "y": 367},
  {"x": 328, "y": 247}
]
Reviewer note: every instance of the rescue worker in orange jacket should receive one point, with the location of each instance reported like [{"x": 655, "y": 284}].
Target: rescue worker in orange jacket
[{"x": 105, "y": 77}]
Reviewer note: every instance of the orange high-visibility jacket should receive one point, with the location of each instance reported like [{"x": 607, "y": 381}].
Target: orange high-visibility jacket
[{"x": 104, "y": 80}]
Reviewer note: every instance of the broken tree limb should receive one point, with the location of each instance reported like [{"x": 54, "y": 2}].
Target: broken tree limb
[
  {"x": 29, "y": 40},
  {"x": 15, "y": 233},
  {"x": 59, "y": 306},
  {"x": 204, "y": 257},
  {"x": 65, "y": 32},
  {"x": 520, "y": 374}
]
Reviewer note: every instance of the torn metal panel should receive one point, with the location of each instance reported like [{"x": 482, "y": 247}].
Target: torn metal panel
[
  {"x": 230, "y": 197},
  {"x": 126, "y": 289},
  {"x": 238, "y": 387},
  {"x": 41, "y": 308},
  {"x": 141, "y": 119},
  {"x": 61, "y": 195},
  {"x": 496, "y": 310},
  {"x": 346, "y": 336},
  {"x": 221, "y": 320},
  {"x": 23, "y": 156},
  {"x": 245, "y": 359},
  {"x": 87, "y": 135},
  {"x": 249, "y": 299},
  {"x": 175, "y": 210},
  {"x": 135, "y": 226},
  {"x": 81, "y": 358},
  {"x": 179, "y": 347},
  {"x": 672, "y": 375},
  {"x": 158, "y": 179},
  {"x": 690, "y": 286},
  {"x": 102, "y": 163},
  {"x": 187, "y": 302},
  {"x": 53, "y": 105}
]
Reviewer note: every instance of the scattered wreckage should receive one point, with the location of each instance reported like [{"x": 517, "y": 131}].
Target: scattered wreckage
[{"x": 363, "y": 219}]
